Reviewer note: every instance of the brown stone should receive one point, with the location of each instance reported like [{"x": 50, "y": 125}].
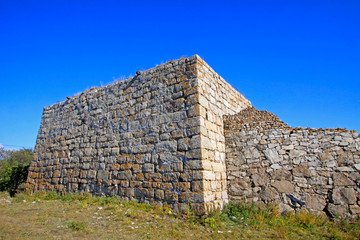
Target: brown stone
[
  {"x": 302, "y": 170},
  {"x": 182, "y": 186},
  {"x": 260, "y": 180},
  {"x": 281, "y": 175},
  {"x": 355, "y": 210},
  {"x": 342, "y": 179},
  {"x": 267, "y": 194},
  {"x": 283, "y": 186}
]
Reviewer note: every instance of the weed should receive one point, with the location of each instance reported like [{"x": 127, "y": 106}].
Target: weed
[
  {"x": 210, "y": 222},
  {"x": 76, "y": 225},
  {"x": 51, "y": 196},
  {"x": 84, "y": 204},
  {"x": 308, "y": 220},
  {"x": 189, "y": 215}
]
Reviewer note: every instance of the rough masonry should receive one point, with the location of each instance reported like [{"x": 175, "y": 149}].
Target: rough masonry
[
  {"x": 179, "y": 134},
  {"x": 155, "y": 137},
  {"x": 267, "y": 161}
]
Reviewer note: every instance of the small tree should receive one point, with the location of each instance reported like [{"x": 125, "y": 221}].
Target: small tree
[{"x": 14, "y": 168}]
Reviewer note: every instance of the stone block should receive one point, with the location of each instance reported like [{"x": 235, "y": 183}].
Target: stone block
[
  {"x": 148, "y": 167},
  {"x": 183, "y": 144},
  {"x": 195, "y": 142},
  {"x": 259, "y": 180},
  {"x": 342, "y": 179},
  {"x": 283, "y": 186},
  {"x": 342, "y": 196},
  {"x": 337, "y": 210},
  {"x": 302, "y": 170},
  {"x": 281, "y": 174},
  {"x": 170, "y": 146},
  {"x": 272, "y": 155},
  {"x": 267, "y": 194},
  {"x": 315, "y": 202}
]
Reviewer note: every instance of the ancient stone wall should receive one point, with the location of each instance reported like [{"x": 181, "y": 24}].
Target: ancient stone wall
[
  {"x": 216, "y": 98},
  {"x": 180, "y": 134},
  {"x": 144, "y": 138},
  {"x": 134, "y": 139},
  {"x": 268, "y": 161}
]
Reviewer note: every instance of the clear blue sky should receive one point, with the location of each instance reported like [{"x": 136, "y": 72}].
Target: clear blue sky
[{"x": 297, "y": 59}]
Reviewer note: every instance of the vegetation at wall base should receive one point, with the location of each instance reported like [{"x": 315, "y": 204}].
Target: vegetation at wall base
[{"x": 49, "y": 215}]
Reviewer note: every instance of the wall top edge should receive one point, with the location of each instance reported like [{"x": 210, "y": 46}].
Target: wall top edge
[
  {"x": 202, "y": 63},
  {"x": 185, "y": 60},
  {"x": 262, "y": 120}
]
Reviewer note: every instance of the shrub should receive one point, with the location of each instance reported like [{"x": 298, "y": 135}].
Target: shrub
[
  {"x": 12, "y": 176},
  {"x": 14, "y": 169}
]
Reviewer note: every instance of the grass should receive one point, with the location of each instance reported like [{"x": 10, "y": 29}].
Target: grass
[{"x": 76, "y": 216}]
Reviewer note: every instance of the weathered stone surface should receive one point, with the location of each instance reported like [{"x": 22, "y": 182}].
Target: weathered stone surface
[
  {"x": 285, "y": 209},
  {"x": 343, "y": 196},
  {"x": 337, "y": 210},
  {"x": 260, "y": 180},
  {"x": 317, "y": 166},
  {"x": 315, "y": 202},
  {"x": 342, "y": 179},
  {"x": 281, "y": 175},
  {"x": 267, "y": 194},
  {"x": 179, "y": 133},
  {"x": 272, "y": 155},
  {"x": 302, "y": 170},
  {"x": 355, "y": 210},
  {"x": 283, "y": 186},
  {"x": 147, "y": 137}
]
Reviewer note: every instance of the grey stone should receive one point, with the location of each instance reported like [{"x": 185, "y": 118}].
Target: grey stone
[
  {"x": 337, "y": 210},
  {"x": 272, "y": 155},
  {"x": 170, "y": 146},
  {"x": 276, "y": 166},
  {"x": 285, "y": 209},
  {"x": 341, "y": 196},
  {"x": 148, "y": 167},
  {"x": 296, "y": 153},
  {"x": 315, "y": 202}
]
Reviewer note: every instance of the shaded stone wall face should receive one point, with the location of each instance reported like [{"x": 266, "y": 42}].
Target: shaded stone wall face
[
  {"x": 268, "y": 160},
  {"x": 217, "y": 98},
  {"x": 135, "y": 139}
]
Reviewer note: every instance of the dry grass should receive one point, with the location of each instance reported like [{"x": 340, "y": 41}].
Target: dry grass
[{"x": 50, "y": 216}]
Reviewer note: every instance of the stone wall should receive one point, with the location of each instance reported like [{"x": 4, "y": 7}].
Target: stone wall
[
  {"x": 268, "y": 161},
  {"x": 216, "y": 98},
  {"x": 151, "y": 138}
]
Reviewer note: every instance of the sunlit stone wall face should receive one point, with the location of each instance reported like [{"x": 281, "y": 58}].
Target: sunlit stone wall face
[
  {"x": 179, "y": 134},
  {"x": 268, "y": 161},
  {"x": 156, "y": 137},
  {"x": 217, "y": 98}
]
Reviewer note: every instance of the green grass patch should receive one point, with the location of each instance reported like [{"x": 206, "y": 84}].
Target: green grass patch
[
  {"x": 76, "y": 225},
  {"x": 49, "y": 214}
]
